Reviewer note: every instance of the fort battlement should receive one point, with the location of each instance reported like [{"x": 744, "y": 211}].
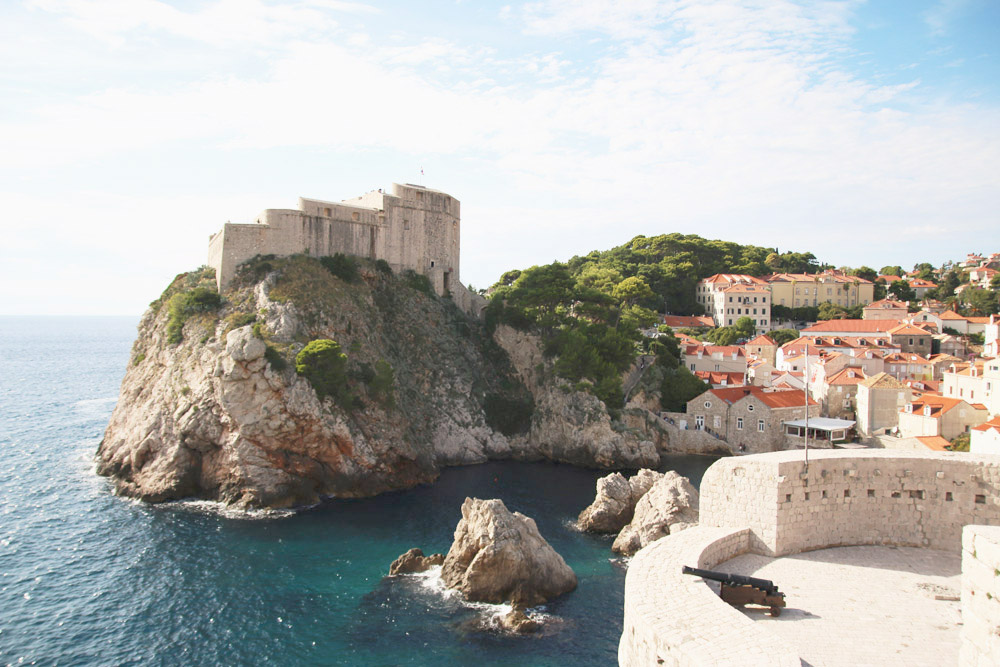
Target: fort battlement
[
  {"x": 412, "y": 228},
  {"x": 775, "y": 505}
]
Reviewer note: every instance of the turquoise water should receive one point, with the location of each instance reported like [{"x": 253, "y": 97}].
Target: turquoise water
[{"x": 90, "y": 579}]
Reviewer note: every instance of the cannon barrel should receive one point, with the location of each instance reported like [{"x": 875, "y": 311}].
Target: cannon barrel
[{"x": 765, "y": 585}]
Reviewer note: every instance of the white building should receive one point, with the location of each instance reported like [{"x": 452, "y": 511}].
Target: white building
[{"x": 727, "y": 297}]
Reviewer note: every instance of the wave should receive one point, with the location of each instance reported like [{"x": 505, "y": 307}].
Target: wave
[
  {"x": 216, "y": 508},
  {"x": 490, "y": 614}
]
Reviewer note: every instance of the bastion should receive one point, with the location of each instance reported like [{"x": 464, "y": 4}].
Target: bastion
[
  {"x": 414, "y": 228},
  {"x": 776, "y": 505}
]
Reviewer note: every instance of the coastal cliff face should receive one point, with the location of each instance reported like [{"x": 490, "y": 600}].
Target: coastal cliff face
[{"x": 212, "y": 406}]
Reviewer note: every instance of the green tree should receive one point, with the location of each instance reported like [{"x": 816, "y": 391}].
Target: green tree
[
  {"x": 325, "y": 366},
  {"x": 981, "y": 302},
  {"x": 782, "y": 336},
  {"x": 900, "y": 289},
  {"x": 865, "y": 272},
  {"x": 679, "y": 387},
  {"x": 892, "y": 271},
  {"x": 745, "y": 327}
]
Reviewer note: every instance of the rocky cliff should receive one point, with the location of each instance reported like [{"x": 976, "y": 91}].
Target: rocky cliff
[{"x": 212, "y": 405}]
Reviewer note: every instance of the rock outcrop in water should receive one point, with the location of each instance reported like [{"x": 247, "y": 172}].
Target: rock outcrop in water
[
  {"x": 615, "y": 501},
  {"x": 670, "y": 505},
  {"x": 212, "y": 407},
  {"x": 499, "y": 556},
  {"x": 414, "y": 561}
]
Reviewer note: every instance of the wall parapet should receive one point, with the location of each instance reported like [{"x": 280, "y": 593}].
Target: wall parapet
[
  {"x": 676, "y": 619},
  {"x": 854, "y": 497},
  {"x": 772, "y": 504}
]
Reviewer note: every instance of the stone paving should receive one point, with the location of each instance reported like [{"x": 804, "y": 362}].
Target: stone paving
[{"x": 863, "y": 605}]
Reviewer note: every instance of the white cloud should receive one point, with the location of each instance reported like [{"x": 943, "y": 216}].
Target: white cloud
[{"x": 733, "y": 119}]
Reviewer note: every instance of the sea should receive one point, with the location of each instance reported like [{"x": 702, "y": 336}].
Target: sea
[{"x": 89, "y": 578}]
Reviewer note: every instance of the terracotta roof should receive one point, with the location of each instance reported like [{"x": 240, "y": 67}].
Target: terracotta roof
[
  {"x": 762, "y": 339},
  {"x": 688, "y": 321},
  {"x": 991, "y": 424},
  {"x": 950, "y": 315},
  {"x": 732, "y": 278},
  {"x": 763, "y": 289},
  {"x": 726, "y": 350},
  {"x": 905, "y": 358},
  {"x": 717, "y": 377},
  {"x": 774, "y": 399},
  {"x": 888, "y": 278},
  {"x": 920, "y": 282},
  {"x": 853, "y": 326},
  {"x": 978, "y": 320},
  {"x": 907, "y": 330},
  {"x": 939, "y": 405},
  {"x": 935, "y": 442},
  {"x": 824, "y": 277},
  {"x": 886, "y": 304},
  {"x": 847, "y": 376}
]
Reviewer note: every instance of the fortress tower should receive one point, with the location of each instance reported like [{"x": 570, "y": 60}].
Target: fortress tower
[{"x": 413, "y": 228}]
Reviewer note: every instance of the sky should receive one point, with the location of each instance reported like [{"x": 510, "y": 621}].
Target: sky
[{"x": 131, "y": 130}]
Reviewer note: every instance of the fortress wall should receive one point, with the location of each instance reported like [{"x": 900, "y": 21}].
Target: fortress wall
[
  {"x": 413, "y": 228},
  {"x": 980, "y": 596},
  {"x": 874, "y": 497},
  {"x": 676, "y": 619},
  {"x": 851, "y": 498}
]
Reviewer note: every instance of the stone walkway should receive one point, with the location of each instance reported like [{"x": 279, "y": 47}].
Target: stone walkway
[{"x": 863, "y": 605}]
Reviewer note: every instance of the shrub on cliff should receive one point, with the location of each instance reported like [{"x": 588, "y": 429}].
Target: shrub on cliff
[
  {"x": 342, "y": 266},
  {"x": 325, "y": 366},
  {"x": 185, "y": 304}
]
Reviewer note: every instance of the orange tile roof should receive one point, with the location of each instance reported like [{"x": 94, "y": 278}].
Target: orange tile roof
[
  {"x": 853, "y": 326},
  {"x": 950, "y": 315},
  {"x": 688, "y": 321},
  {"x": 938, "y": 404},
  {"x": 934, "y": 442},
  {"x": 886, "y": 304},
  {"x": 733, "y": 278},
  {"x": 717, "y": 377},
  {"x": 905, "y": 358},
  {"x": 726, "y": 350},
  {"x": 847, "y": 376},
  {"x": 775, "y": 399},
  {"x": 762, "y": 339},
  {"x": 762, "y": 289},
  {"x": 907, "y": 330},
  {"x": 986, "y": 426}
]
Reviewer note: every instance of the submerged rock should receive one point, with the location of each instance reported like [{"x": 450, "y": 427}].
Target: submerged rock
[
  {"x": 499, "y": 556},
  {"x": 518, "y": 621},
  {"x": 614, "y": 504},
  {"x": 414, "y": 561},
  {"x": 670, "y": 505}
]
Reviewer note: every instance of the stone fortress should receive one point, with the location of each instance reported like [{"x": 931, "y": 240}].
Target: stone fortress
[{"x": 413, "y": 228}]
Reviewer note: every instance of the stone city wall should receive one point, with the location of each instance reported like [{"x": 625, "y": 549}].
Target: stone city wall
[
  {"x": 851, "y": 497},
  {"x": 676, "y": 619},
  {"x": 772, "y": 505},
  {"x": 980, "y": 596}
]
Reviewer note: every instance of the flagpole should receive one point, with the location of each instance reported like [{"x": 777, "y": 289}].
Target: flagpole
[{"x": 806, "y": 392}]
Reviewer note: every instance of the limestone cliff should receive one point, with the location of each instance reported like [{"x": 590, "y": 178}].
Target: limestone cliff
[{"x": 211, "y": 405}]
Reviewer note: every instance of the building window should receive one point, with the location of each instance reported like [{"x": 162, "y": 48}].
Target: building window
[
  {"x": 716, "y": 421},
  {"x": 739, "y": 423},
  {"x": 750, "y": 408},
  {"x": 355, "y": 216},
  {"x": 760, "y": 425},
  {"x": 699, "y": 422},
  {"x": 708, "y": 404}
]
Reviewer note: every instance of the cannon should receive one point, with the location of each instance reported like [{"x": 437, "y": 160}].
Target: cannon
[{"x": 739, "y": 590}]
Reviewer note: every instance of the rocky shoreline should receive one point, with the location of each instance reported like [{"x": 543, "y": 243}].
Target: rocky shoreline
[{"x": 221, "y": 414}]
